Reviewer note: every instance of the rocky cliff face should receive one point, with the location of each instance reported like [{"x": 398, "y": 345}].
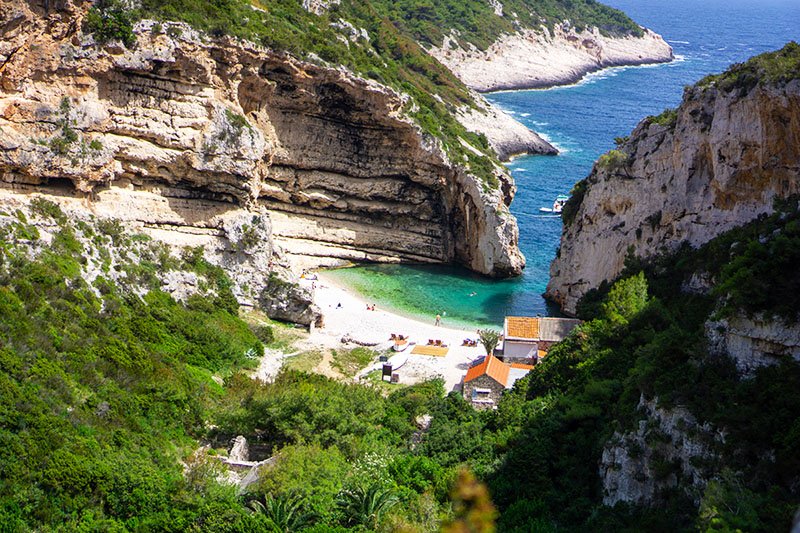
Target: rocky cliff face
[
  {"x": 755, "y": 342},
  {"x": 541, "y": 58},
  {"x": 662, "y": 453},
  {"x": 719, "y": 163},
  {"x": 181, "y": 131},
  {"x": 506, "y": 136}
]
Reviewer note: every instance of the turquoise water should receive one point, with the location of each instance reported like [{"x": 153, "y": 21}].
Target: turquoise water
[{"x": 582, "y": 121}]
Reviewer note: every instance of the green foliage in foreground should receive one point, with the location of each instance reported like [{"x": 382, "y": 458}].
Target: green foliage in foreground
[
  {"x": 100, "y": 391},
  {"x": 770, "y": 68},
  {"x": 102, "y": 396}
]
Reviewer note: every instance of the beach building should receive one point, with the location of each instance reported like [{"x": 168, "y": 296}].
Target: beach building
[
  {"x": 526, "y": 339},
  {"x": 488, "y": 378}
]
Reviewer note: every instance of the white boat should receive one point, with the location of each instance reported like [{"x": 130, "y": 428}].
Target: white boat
[
  {"x": 558, "y": 205},
  {"x": 400, "y": 345}
]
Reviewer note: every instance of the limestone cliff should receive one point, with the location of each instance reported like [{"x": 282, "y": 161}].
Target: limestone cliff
[
  {"x": 534, "y": 58},
  {"x": 663, "y": 452},
  {"x": 717, "y": 162},
  {"x": 755, "y": 342},
  {"x": 182, "y": 130},
  {"x": 507, "y": 136}
]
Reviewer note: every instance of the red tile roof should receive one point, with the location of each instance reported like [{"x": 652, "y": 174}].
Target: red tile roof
[
  {"x": 492, "y": 367},
  {"x": 522, "y": 327}
]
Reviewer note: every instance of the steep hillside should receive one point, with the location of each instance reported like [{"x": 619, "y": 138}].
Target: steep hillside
[
  {"x": 718, "y": 161},
  {"x": 536, "y": 58},
  {"x": 184, "y": 129},
  {"x": 674, "y": 407}
]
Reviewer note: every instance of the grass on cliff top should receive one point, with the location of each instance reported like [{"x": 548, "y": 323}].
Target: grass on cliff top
[
  {"x": 770, "y": 68},
  {"x": 477, "y": 24}
]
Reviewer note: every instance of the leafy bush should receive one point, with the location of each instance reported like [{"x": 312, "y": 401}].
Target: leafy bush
[
  {"x": 570, "y": 209},
  {"x": 770, "y": 68},
  {"x": 111, "y": 20},
  {"x": 613, "y": 160},
  {"x": 667, "y": 118}
]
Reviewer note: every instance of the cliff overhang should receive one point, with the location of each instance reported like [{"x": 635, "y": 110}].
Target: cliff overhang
[{"x": 218, "y": 124}]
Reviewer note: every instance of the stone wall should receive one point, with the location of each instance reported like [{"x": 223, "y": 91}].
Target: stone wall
[{"x": 484, "y": 382}]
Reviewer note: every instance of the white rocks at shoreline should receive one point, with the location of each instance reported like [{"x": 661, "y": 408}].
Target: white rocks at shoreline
[
  {"x": 507, "y": 136},
  {"x": 535, "y": 59}
]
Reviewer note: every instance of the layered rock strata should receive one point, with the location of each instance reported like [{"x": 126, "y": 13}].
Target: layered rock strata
[
  {"x": 719, "y": 164},
  {"x": 215, "y": 125},
  {"x": 754, "y": 342},
  {"x": 536, "y": 58}
]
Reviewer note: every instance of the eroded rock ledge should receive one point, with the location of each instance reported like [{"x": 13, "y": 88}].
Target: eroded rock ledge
[
  {"x": 719, "y": 163},
  {"x": 533, "y": 59},
  {"x": 329, "y": 158}
]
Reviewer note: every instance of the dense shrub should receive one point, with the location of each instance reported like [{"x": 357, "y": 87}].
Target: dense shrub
[
  {"x": 111, "y": 20},
  {"x": 770, "y": 68}
]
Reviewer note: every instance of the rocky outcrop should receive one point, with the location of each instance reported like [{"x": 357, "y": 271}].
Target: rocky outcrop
[
  {"x": 507, "y": 136},
  {"x": 755, "y": 342},
  {"x": 236, "y": 240},
  {"x": 205, "y": 127},
  {"x": 663, "y": 452},
  {"x": 535, "y": 58},
  {"x": 239, "y": 451},
  {"x": 718, "y": 163}
]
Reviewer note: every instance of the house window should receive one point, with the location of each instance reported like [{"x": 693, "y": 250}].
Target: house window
[{"x": 482, "y": 395}]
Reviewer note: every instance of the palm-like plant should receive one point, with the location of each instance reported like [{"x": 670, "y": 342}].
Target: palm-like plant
[
  {"x": 284, "y": 513},
  {"x": 489, "y": 338},
  {"x": 366, "y": 506}
]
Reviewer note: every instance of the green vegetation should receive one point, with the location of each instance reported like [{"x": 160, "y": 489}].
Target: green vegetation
[
  {"x": 111, "y": 20},
  {"x": 771, "y": 68},
  {"x": 101, "y": 393},
  {"x": 105, "y": 392},
  {"x": 489, "y": 339},
  {"x": 349, "y": 362},
  {"x": 571, "y": 207},
  {"x": 755, "y": 265},
  {"x": 477, "y": 24},
  {"x": 667, "y": 118},
  {"x": 68, "y": 136},
  {"x": 613, "y": 160},
  {"x": 304, "y": 361}
]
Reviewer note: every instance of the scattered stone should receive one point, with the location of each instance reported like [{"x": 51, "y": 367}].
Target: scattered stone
[{"x": 239, "y": 451}]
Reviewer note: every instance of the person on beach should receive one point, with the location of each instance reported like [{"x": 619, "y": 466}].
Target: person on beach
[{"x": 438, "y": 321}]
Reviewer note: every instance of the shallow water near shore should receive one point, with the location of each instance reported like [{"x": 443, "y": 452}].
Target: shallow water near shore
[{"x": 582, "y": 121}]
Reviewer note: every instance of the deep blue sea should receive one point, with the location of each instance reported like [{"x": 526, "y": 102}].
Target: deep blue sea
[{"x": 582, "y": 121}]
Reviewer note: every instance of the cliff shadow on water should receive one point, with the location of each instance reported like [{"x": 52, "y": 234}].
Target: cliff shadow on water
[{"x": 422, "y": 291}]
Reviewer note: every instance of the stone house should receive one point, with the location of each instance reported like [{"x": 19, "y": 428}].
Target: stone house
[
  {"x": 527, "y": 339},
  {"x": 488, "y": 378}
]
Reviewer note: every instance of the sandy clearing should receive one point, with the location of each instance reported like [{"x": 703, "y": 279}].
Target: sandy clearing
[{"x": 357, "y": 325}]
